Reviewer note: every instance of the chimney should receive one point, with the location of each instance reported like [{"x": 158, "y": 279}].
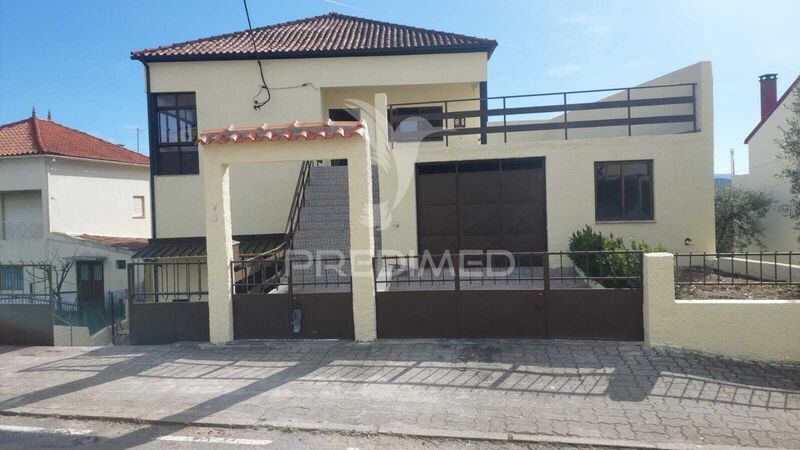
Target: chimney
[{"x": 769, "y": 93}]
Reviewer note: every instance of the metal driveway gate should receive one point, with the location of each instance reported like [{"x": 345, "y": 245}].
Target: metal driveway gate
[
  {"x": 423, "y": 296},
  {"x": 308, "y": 299}
]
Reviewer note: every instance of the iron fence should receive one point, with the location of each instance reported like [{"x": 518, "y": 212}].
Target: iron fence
[
  {"x": 26, "y": 283},
  {"x": 290, "y": 270},
  {"x": 737, "y": 268},
  {"x": 451, "y": 120},
  {"x": 532, "y": 270},
  {"x": 167, "y": 281}
]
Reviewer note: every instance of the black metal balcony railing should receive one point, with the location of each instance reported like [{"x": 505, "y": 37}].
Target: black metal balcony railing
[{"x": 450, "y": 121}]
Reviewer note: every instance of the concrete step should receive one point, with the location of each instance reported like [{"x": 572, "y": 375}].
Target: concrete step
[{"x": 326, "y": 199}]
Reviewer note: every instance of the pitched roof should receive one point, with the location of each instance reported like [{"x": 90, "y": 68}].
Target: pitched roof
[
  {"x": 777, "y": 105},
  {"x": 35, "y": 136},
  {"x": 327, "y": 35},
  {"x": 291, "y": 132},
  {"x": 128, "y": 243}
]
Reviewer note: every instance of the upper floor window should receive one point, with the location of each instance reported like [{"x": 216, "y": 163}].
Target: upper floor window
[
  {"x": 138, "y": 207},
  {"x": 344, "y": 114},
  {"x": 176, "y": 124},
  {"x": 623, "y": 190},
  {"x": 408, "y": 125}
]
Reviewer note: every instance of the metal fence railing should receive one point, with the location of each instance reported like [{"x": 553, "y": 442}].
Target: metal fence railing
[
  {"x": 627, "y": 108},
  {"x": 26, "y": 283},
  {"x": 290, "y": 271},
  {"x": 167, "y": 281},
  {"x": 737, "y": 268},
  {"x": 532, "y": 270}
]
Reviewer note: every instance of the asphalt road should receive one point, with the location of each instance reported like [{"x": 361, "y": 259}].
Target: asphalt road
[{"x": 33, "y": 433}]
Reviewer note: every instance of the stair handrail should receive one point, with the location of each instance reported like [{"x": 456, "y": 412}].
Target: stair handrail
[{"x": 297, "y": 203}]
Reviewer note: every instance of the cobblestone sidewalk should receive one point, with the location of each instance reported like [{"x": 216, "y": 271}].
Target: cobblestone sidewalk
[{"x": 559, "y": 389}]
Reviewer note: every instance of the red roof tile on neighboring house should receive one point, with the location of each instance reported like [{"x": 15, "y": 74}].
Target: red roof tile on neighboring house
[
  {"x": 35, "y": 136},
  {"x": 777, "y": 105},
  {"x": 328, "y": 35},
  {"x": 128, "y": 243},
  {"x": 291, "y": 132}
]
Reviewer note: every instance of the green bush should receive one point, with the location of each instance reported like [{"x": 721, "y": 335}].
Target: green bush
[{"x": 607, "y": 265}]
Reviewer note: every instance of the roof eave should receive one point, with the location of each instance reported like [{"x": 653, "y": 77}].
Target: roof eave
[{"x": 487, "y": 48}]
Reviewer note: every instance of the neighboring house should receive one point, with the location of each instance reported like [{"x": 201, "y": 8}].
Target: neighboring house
[
  {"x": 766, "y": 165},
  {"x": 452, "y": 169},
  {"x": 71, "y": 200}
]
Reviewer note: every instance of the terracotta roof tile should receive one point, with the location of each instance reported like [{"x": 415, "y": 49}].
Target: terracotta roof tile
[
  {"x": 35, "y": 136},
  {"x": 327, "y": 35},
  {"x": 129, "y": 243},
  {"x": 291, "y": 132}
]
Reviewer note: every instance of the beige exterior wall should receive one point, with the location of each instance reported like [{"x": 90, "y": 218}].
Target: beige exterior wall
[
  {"x": 97, "y": 198},
  {"x": 765, "y": 167},
  {"x": 682, "y": 166},
  {"x": 763, "y": 330},
  {"x": 683, "y": 188},
  {"x": 224, "y": 93}
]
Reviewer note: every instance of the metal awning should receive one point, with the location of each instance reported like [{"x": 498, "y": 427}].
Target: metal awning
[{"x": 195, "y": 247}]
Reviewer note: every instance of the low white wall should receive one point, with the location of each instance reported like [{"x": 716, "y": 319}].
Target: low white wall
[
  {"x": 762, "y": 330},
  {"x": 66, "y": 336}
]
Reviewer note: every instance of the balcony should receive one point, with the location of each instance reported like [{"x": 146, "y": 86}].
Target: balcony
[
  {"x": 21, "y": 230},
  {"x": 631, "y": 111}
]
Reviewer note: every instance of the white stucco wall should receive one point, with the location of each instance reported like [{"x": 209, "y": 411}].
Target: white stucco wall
[
  {"x": 87, "y": 197},
  {"x": 765, "y": 167},
  {"x": 224, "y": 94},
  {"x": 55, "y": 248}
]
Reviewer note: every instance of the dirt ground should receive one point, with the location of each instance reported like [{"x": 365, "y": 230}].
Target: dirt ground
[{"x": 738, "y": 287}]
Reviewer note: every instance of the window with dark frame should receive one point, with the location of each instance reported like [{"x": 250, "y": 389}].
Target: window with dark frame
[
  {"x": 344, "y": 114},
  {"x": 411, "y": 120},
  {"x": 176, "y": 125},
  {"x": 11, "y": 278},
  {"x": 623, "y": 190}
]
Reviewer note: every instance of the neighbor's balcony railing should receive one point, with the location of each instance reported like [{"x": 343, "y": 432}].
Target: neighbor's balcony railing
[
  {"x": 21, "y": 230},
  {"x": 620, "y": 111}
]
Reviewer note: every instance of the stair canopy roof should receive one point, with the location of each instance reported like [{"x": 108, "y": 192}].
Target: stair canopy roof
[{"x": 293, "y": 131}]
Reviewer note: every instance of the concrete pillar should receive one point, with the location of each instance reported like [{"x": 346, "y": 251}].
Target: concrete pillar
[
  {"x": 359, "y": 170},
  {"x": 219, "y": 248},
  {"x": 380, "y": 132},
  {"x": 659, "y": 295}
]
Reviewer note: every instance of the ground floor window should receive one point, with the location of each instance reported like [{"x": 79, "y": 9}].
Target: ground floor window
[
  {"x": 11, "y": 278},
  {"x": 623, "y": 190}
]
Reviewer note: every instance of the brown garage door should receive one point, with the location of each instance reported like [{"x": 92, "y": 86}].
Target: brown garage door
[{"x": 482, "y": 205}]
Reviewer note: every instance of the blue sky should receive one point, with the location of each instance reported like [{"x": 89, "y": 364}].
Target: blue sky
[{"x": 72, "y": 57}]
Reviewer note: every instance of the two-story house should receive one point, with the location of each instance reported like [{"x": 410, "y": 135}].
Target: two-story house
[
  {"x": 452, "y": 169},
  {"x": 73, "y": 201},
  {"x": 766, "y": 165}
]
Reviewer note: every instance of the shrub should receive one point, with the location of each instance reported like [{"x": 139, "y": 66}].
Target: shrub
[{"x": 607, "y": 265}]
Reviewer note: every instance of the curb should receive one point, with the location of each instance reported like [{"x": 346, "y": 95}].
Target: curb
[{"x": 401, "y": 431}]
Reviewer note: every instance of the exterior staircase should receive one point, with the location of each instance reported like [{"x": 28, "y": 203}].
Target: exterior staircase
[{"x": 324, "y": 223}]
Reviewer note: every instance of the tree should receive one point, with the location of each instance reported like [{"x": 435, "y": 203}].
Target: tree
[
  {"x": 738, "y": 217},
  {"x": 789, "y": 142}
]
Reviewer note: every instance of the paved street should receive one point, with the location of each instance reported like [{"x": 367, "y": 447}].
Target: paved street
[
  {"x": 566, "y": 392},
  {"x": 17, "y": 432}
]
